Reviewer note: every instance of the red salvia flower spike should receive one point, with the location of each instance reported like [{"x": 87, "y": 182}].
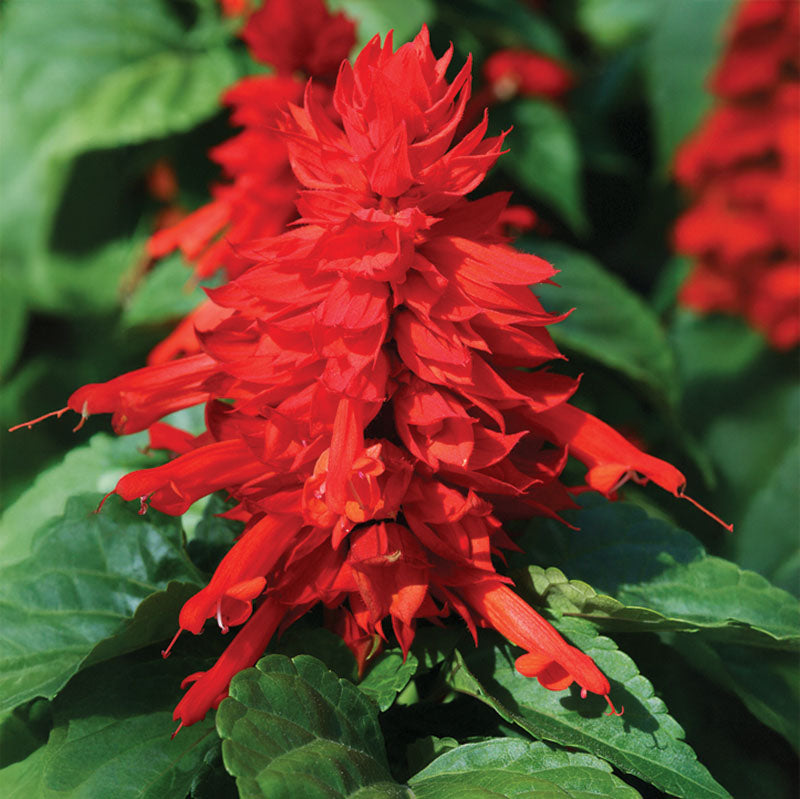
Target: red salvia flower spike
[{"x": 375, "y": 389}]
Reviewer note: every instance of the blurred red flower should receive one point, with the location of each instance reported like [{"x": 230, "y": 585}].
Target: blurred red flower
[
  {"x": 523, "y": 72},
  {"x": 742, "y": 169}
]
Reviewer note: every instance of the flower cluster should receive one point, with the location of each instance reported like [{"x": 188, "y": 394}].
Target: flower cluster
[
  {"x": 376, "y": 390},
  {"x": 299, "y": 39},
  {"x": 743, "y": 170}
]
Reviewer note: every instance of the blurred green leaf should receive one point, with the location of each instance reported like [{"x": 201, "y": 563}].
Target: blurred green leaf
[
  {"x": 658, "y": 575},
  {"x": 96, "y": 466},
  {"x": 293, "y": 729},
  {"x": 112, "y": 737},
  {"x": 544, "y": 156},
  {"x": 774, "y": 508},
  {"x": 634, "y": 343},
  {"x": 13, "y": 321},
  {"x": 752, "y": 441},
  {"x": 645, "y": 741},
  {"x": 746, "y": 757},
  {"x": 166, "y": 293},
  {"x": 684, "y": 46},
  {"x": 490, "y": 26},
  {"x": 768, "y": 682},
  {"x": 82, "y": 584},
  {"x": 613, "y": 23},
  {"x": 509, "y": 767},
  {"x": 115, "y": 73},
  {"x": 381, "y": 16}
]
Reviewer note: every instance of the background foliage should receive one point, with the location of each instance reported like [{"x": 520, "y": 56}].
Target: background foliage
[{"x": 697, "y": 631}]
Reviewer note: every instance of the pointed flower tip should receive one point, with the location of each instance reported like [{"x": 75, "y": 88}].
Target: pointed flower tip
[
  {"x": 726, "y": 525},
  {"x": 165, "y": 653},
  {"x": 102, "y": 502},
  {"x": 58, "y": 414},
  {"x": 171, "y": 737},
  {"x": 613, "y": 711}
]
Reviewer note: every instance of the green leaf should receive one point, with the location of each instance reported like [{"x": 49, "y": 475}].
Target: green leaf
[
  {"x": 646, "y": 741},
  {"x": 112, "y": 737},
  {"x": 660, "y": 576},
  {"x": 381, "y": 16},
  {"x": 96, "y": 466},
  {"x": 544, "y": 157},
  {"x": 511, "y": 767},
  {"x": 682, "y": 51},
  {"x": 388, "y": 675},
  {"x": 212, "y": 781},
  {"x": 612, "y": 23},
  {"x": 774, "y": 508},
  {"x": 82, "y": 584},
  {"x": 23, "y": 730},
  {"x": 166, "y": 293},
  {"x": 304, "y": 639},
  {"x": 115, "y": 73},
  {"x": 743, "y": 755},
  {"x": 768, "y": 682},
  {"x": 751, "y": 442},
  {"x": 635, "y": 344},
  {"x": 291, "y": 728}
]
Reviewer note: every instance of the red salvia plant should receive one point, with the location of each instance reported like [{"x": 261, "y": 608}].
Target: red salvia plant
[
  {"x": 299, "y": 39},
  {"x": 743, "y": 170},
  {"x": 376, "y": 391}
]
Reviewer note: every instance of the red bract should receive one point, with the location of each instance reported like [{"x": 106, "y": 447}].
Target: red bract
[
  {"x": 383, "y": 367},
  {"x": 743, "y": 169}
]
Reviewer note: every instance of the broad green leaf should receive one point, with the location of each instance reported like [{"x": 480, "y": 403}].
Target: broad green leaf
[
  {"x": 166, "y": 293},
  {"x": 82, "y": 584},
  {"x": 381, "y": 16},
  {"x": 96, "y": 466},
  {"x": 111, "y": 737},
  {"x": 742, "y": 401},
  {"x": 544, "y": 157},
  {"x": 744, "y": 756},
  {"x": 511, "y": 767},
  {"x": 645, "y": 741},
  {"x": 115, "y": 73},
  {"x": 660, "y": 575},
  {"x": 774, "y": 508},
  {"x": 768, "y": 682},
  {"x": 612, "y": 23},
  {"x": 387, "y": 676},
  {"x": 293, "y": 729},
  {"x": 684, "y": 46},
  {"x": 635, "y": 344}
]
